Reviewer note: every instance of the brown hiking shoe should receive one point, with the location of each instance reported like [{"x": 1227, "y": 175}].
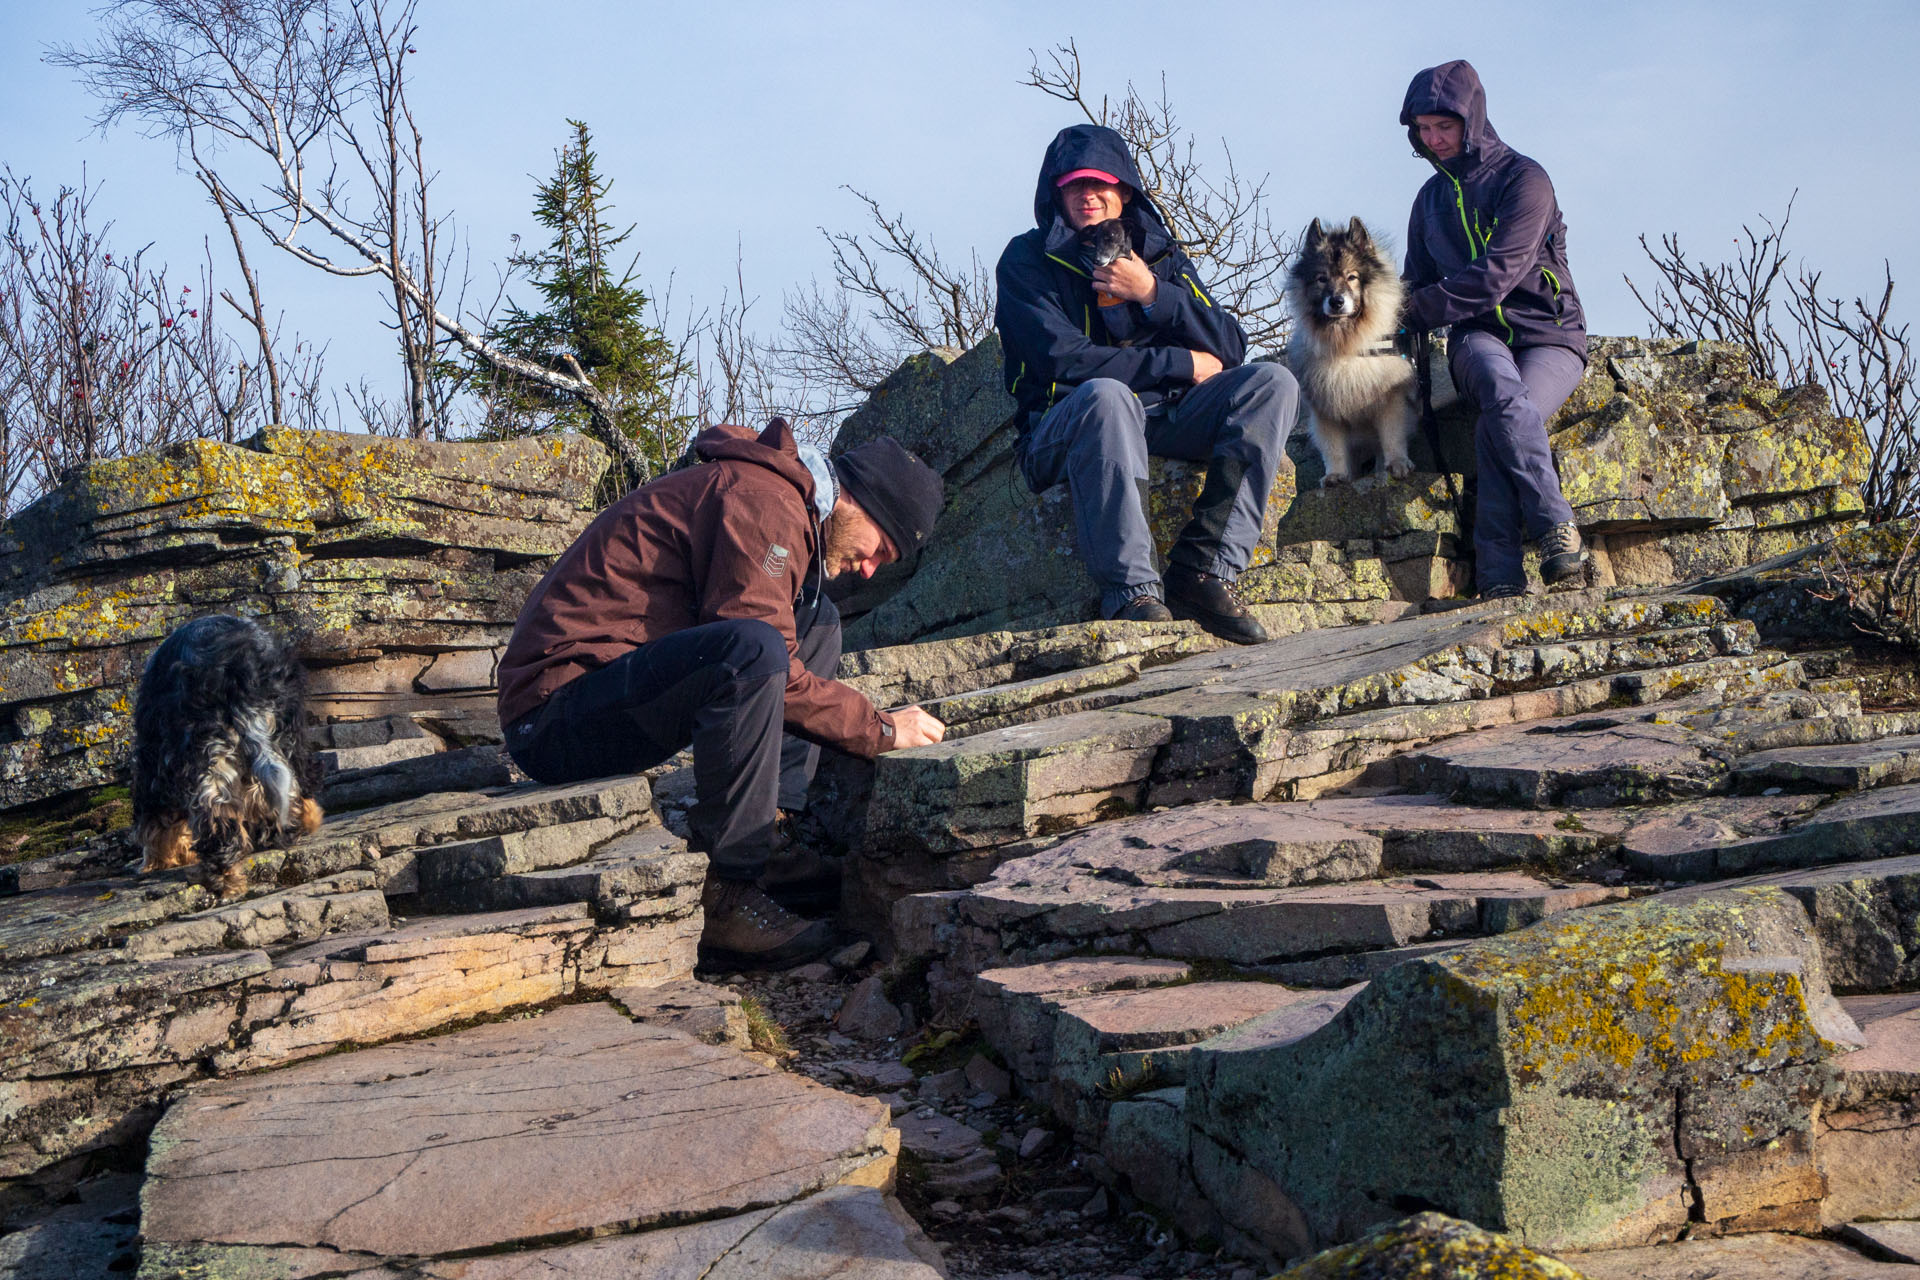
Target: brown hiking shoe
[{"x": 745, "y": 929}]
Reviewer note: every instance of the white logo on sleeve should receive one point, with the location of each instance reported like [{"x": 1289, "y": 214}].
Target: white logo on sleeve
[{"x": 775, "y": 562}]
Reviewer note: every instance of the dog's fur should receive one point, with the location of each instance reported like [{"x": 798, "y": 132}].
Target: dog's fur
[
  {"x": 1108, "y": 240},
  {"x": 1346, "y": 298},
  {"x": 220, "y": 760}
]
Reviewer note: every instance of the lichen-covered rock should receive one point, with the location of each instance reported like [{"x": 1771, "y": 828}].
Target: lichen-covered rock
[
  {"x": 1431, "y": 1246},
  {"x": 398, "y": 566},
  {"x": 1600, "y": 1080}
]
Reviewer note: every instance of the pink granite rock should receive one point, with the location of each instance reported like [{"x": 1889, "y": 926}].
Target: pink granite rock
[{"x": 574, "y": 1122}]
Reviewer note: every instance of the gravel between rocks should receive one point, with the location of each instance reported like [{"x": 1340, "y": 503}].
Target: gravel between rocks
[{"x": 1045, "y": 1217}]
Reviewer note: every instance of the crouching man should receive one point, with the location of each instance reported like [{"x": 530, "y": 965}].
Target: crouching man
[
  {"x": 1111, "y": 361},
  {"x": 694, "y": 612}
]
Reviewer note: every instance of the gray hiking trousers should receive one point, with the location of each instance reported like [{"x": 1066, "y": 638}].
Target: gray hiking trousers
[
  {"x": 1519, "y": 491},
  {"x": 1099, "y": 438}
]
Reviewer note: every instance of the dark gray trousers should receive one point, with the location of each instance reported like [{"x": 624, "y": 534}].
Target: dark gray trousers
[
  {"x": 719, "y": 688},
  {"x": 1098, "y": 441},
  {"x": 1520, "y": 498}
]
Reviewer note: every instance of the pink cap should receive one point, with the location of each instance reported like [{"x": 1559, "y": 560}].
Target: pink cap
[{"x": 1101, "y": 174}]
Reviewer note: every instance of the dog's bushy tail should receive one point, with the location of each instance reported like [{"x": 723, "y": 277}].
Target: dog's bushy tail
[{"x": 269, "y": 768}]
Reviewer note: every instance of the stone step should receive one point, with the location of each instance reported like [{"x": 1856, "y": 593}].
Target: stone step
[
  {"x": 94, "y": 1040},
  {"x": 1111, "y": 1045},
  {"x": 1883, "y": 823},
  {"x": 367, "y": 1159},
  {"x": 1016, "y": 1007},
  {"x": 351, "y": 854},
  {"x": 643, "y": 874},
  {"x": 1075, "y": 898},
  {"x": 1593, "y": 761},
  {"x": 348, "y": 902},
  {"x": 1893, "y": 1242},
  {"x": 1841, "y": 767},
  {"x": 460, "y": 769}
]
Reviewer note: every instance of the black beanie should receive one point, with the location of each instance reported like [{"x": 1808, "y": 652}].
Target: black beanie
[{"x": 900, "y": 492}]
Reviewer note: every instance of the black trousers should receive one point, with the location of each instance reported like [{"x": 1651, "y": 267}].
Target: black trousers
[{"x": 719, "y": 688}]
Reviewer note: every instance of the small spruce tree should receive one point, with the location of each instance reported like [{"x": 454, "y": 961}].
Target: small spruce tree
[{"x": 590, "y": 319}]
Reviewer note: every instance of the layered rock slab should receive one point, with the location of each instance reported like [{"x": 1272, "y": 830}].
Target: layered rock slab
[
  {"x": 1596, "y": 1081},
  {"x": 503, "y": 1134},
  {"x": 1213, "y": 895}
]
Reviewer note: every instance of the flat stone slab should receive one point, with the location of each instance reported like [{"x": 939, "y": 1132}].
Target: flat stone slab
[
  {"x": 1063, "y": 898},
  {"x": 1431, "y": 833},
  {"x": 517, "y": 1131},
  {"x": 1681, "y": 841},
  {"x": 1753, "y": 1257},
  {"x": 929, "y": 1135},
  {"x": 842, "y": 1233},
  {"x": 1123, "y": 1021},
  {"x": 1017, "y": 1007},
  {"x": 1854, "y": 766},
  {"x": 1579, "y": 762},
  {"x": 1224, "y": 846}
]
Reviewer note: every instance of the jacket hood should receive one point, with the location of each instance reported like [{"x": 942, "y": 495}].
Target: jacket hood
[
  {"x": 775, "y": 449},
  {"x": 1452, "y": 88},
  {"x": 1094, "y": 146}
]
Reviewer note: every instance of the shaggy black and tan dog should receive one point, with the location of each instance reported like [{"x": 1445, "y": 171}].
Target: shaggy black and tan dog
[{"x": 220, "y": 762}]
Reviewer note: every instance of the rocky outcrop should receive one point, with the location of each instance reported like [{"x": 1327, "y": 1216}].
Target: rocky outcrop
[
  {"x": 1678, "y": 466},
  {"x": 398, "y": 566}
]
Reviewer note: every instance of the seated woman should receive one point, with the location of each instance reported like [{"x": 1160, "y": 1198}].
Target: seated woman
[{"x": 1487, "y": 254}]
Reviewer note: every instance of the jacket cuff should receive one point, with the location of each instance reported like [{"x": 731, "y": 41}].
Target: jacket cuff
[{"x": 1165, "y": 305}]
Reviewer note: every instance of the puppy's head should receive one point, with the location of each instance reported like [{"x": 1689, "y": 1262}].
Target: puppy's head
[{"x": 1107, "y": 241}]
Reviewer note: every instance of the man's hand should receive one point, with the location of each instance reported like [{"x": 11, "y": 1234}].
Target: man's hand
[
  {"x": 1127, "y": 279},
  {"x": 913, "y": 727},
  {"x": 1205, "y": 366}
]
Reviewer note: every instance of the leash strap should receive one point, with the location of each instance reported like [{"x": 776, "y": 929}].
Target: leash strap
[{"x": 1430, "y": 428}]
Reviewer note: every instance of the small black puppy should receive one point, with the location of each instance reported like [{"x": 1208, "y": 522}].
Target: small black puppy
[
  {"x": 1107, "y": 240},
  {"x": 220, "y": 761}
]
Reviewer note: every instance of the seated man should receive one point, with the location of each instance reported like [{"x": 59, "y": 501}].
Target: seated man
[
  {"x": 1487, "y": 254},
  {"x": 693, "y": 611},
  {"x": 1113, "y": 363}
]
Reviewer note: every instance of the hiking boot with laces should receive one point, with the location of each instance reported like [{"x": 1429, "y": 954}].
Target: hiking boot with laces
[
  {"x": 1142, "y": 608},
  {"x": 798, "y": 876},
  {"x": 1209, "y": 601},
  {"x": 1503, "y": 591},
  {"x": 746, "y": 929},
  {"x": 1561, "y": 554}
]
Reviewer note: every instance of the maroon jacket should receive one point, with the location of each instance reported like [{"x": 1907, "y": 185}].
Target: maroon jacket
[{"x": 731, "y": 539}]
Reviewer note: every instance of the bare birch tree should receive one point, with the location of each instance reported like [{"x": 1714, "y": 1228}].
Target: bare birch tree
[{"x": 315, "y": 93}]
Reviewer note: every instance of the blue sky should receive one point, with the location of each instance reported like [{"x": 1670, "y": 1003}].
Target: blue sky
[{"x": 736, "y": 124}]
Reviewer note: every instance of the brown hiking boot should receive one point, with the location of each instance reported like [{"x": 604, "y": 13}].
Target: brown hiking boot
[{"x": 745, "y": 929}]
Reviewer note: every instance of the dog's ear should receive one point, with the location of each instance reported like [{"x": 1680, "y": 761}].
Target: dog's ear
[
  {"x": 1316, "y": 235},
  {"x": 1357, "y": 230}
]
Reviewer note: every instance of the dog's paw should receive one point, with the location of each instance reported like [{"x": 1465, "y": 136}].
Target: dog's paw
[
  {"x": 229, "y": 884},
  {"x": 311, "y": 816},
  {"x": 1335, "y": 480},
  {"x": 1399, "y": 468}
]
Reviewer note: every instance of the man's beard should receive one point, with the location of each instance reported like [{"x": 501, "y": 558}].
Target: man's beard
[{"x": 837, "y": 556}]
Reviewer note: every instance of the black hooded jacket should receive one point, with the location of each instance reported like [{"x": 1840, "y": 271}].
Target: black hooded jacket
[
  {"x": 1486, "y": 246},
  {"x": 1054, "y": 333}
]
